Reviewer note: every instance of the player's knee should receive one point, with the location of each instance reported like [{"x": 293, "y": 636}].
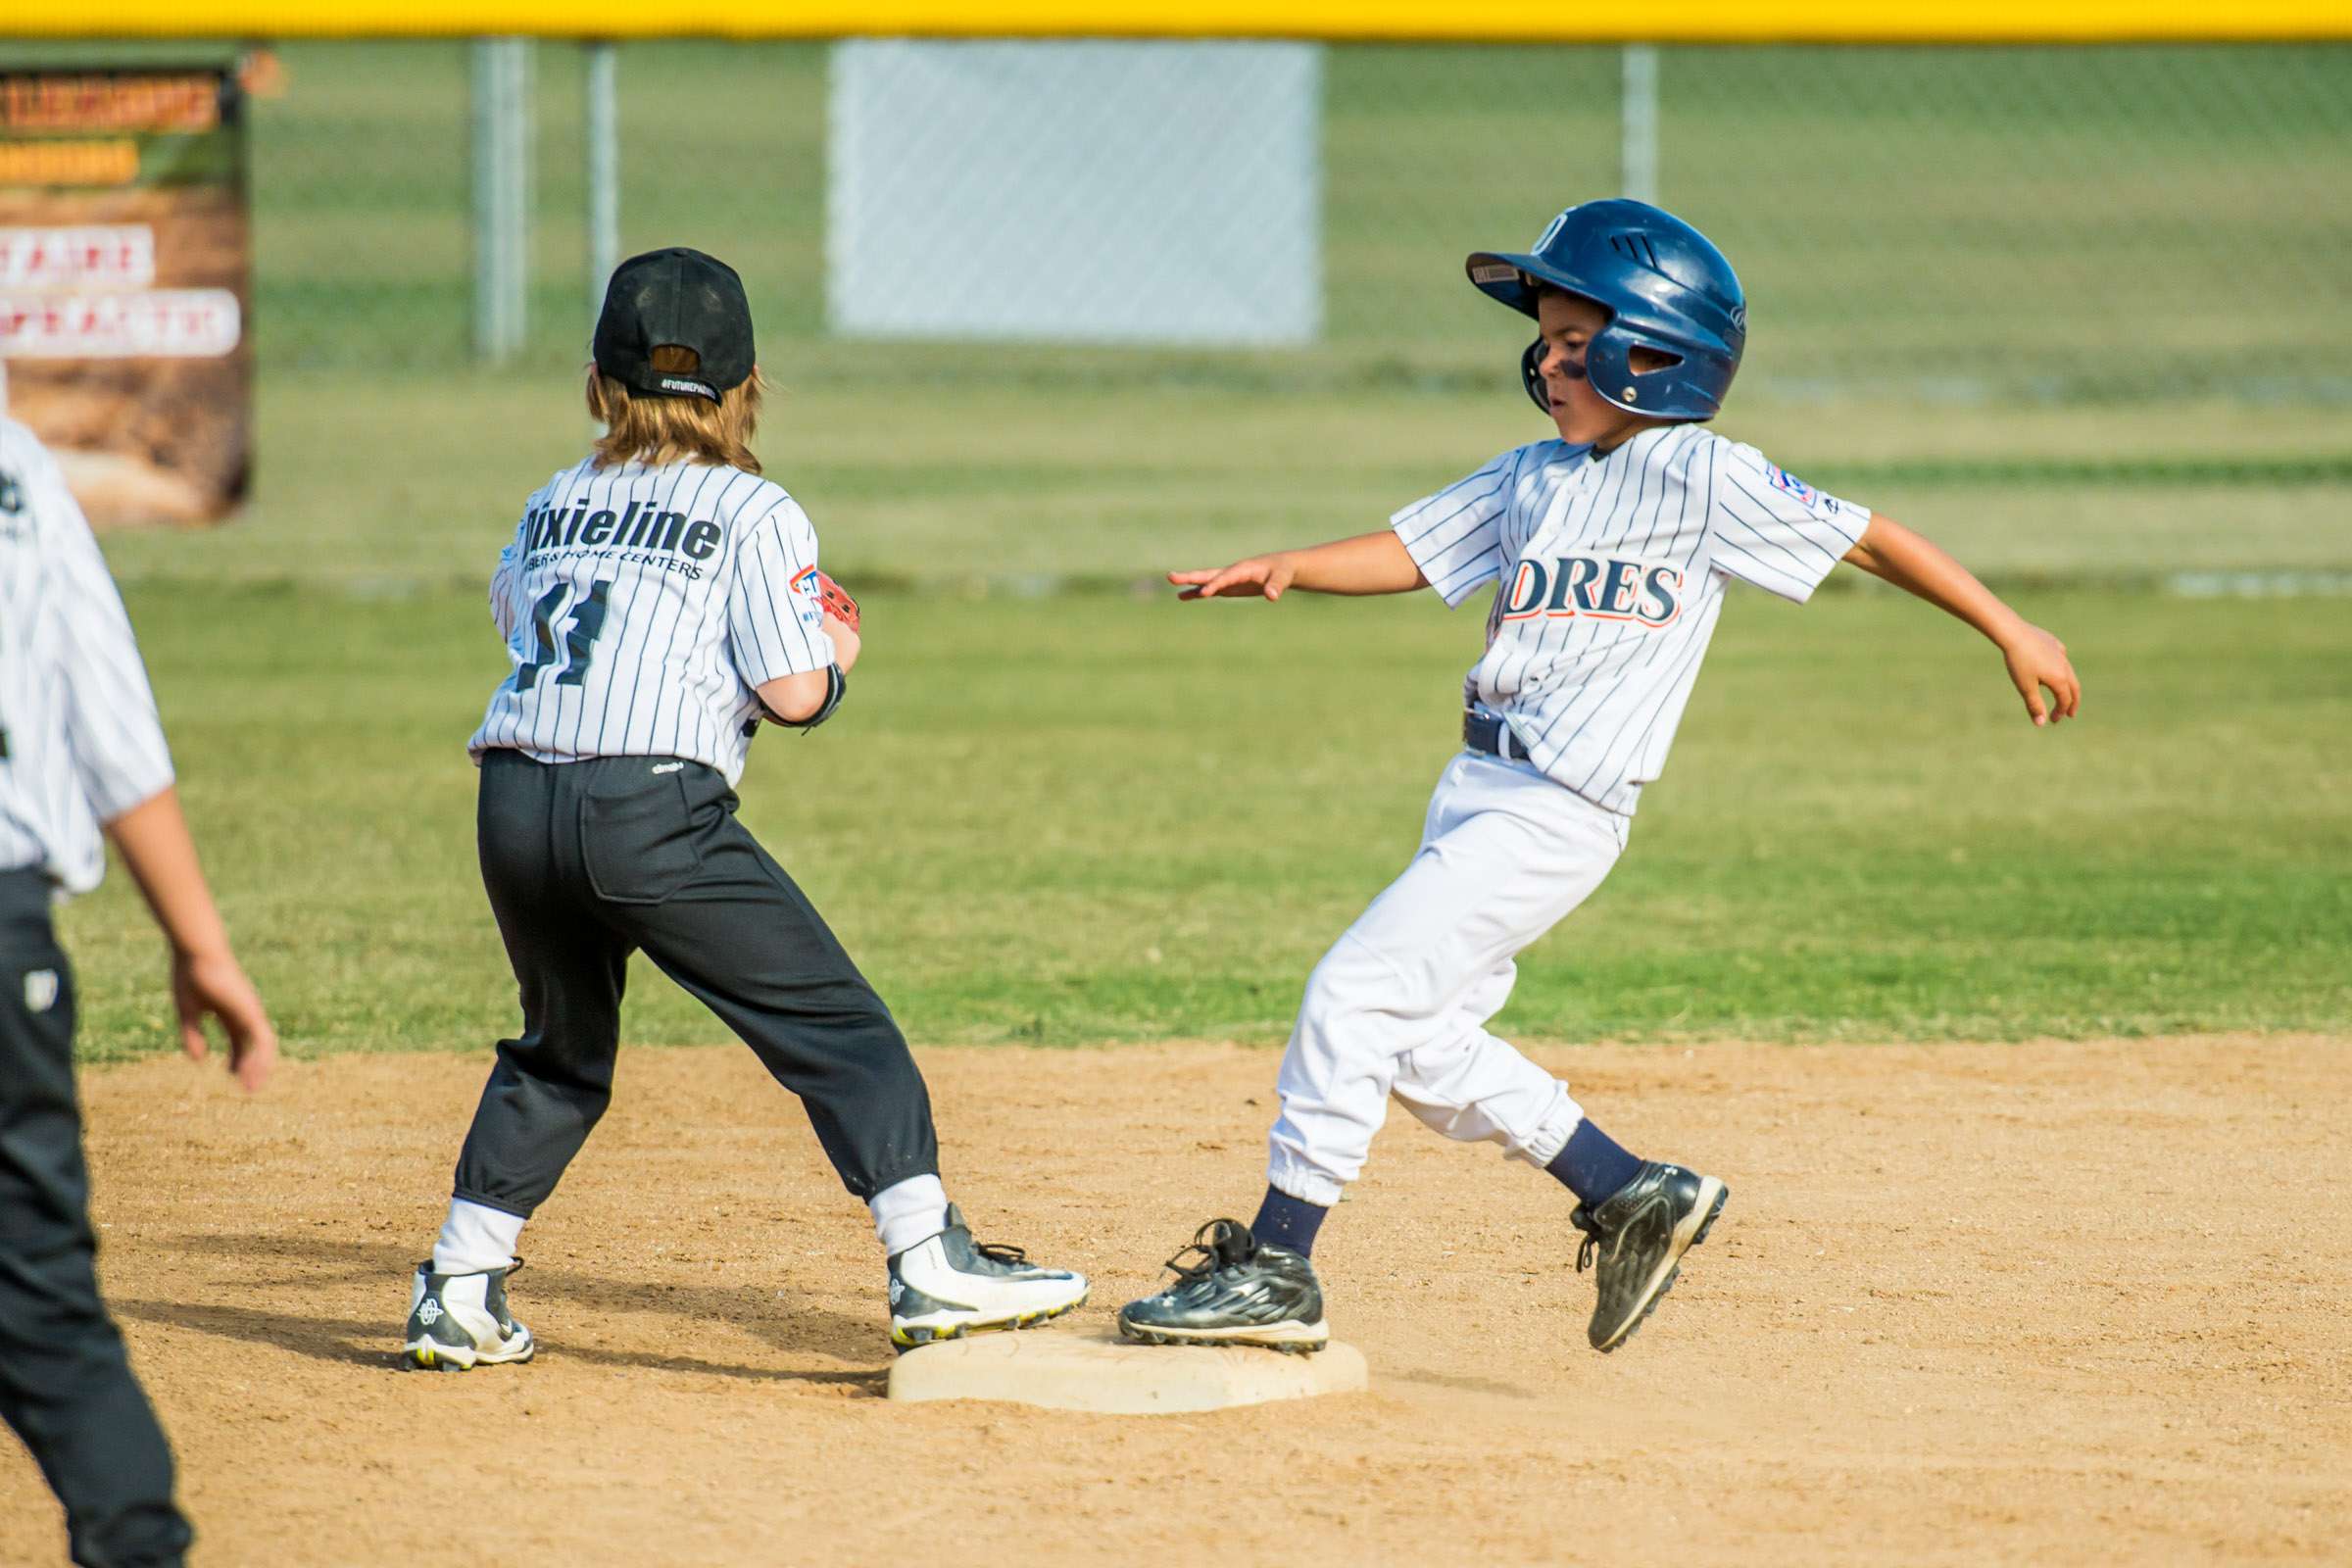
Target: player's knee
[
  {"x": 535, "y": 1067},
  {"x": 1333, "y": 991},
  {"x": 1354, "y": 981}
]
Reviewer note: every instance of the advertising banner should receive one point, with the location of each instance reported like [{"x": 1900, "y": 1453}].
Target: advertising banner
[{"x": 124, "y": 258}]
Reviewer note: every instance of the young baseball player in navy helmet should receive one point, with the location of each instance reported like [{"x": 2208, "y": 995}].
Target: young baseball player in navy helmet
[
  {"x": 1612, "y": 548},
  {"x": 659, "y": 602}
]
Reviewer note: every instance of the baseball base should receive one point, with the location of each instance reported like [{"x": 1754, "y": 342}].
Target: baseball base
[{"x": 1100, "y": 1373}]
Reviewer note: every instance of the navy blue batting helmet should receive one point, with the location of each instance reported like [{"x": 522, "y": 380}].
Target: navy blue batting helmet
[{"x": 1665, "y": 286}]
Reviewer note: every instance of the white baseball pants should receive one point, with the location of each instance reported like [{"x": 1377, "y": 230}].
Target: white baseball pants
[{"x": 1400, "y": 1004}]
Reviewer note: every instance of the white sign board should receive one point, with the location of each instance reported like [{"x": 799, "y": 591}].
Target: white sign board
[
  {"x": 187, "y": 324},
  {"x": 98, "y": 256},
  {"x": 1099, "y": 192}
]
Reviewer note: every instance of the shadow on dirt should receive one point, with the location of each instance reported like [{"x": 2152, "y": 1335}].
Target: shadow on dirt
[{"x": 316, "y": 1264}]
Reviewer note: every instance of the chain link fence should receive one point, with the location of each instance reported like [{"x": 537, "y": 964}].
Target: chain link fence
[{"x": 2119, "y": 224}]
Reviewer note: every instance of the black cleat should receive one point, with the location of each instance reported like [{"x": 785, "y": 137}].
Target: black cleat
[
  {"x": 1640, "y": 1234},
  {"x": 1239, "y": 1290}
]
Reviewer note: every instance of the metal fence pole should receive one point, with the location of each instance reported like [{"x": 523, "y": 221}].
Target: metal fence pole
[
  {"x": 502, "y": 196},
  {"x": 1638, "y": 126},
  {"x": 603, "y": 128}
]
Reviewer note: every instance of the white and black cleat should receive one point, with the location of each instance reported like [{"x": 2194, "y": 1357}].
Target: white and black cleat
[
  {"x": 1639, "y": 1234},
  {"x": 460, "y": 1321},
  {"x": 950, "y": 1285},
  {"x": 1236, "y": 1290}
]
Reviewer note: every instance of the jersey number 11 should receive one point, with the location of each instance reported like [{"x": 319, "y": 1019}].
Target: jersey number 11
[{"x": 587, "y": 621}]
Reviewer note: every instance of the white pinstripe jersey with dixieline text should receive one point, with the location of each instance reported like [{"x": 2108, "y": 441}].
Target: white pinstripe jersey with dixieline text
[
  {"x": 1611, "y": 572},
  {"x": 79, "y": 740},
  {"x": 641, "y": 605}
]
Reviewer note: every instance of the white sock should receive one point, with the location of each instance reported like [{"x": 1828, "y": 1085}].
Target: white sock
[
  {"x": 474, "y": 1239},
  {"x": 910, "y": 1213}
]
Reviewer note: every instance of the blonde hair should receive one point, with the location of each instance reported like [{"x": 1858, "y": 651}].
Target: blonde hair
[{"x": 681, "y": 430}]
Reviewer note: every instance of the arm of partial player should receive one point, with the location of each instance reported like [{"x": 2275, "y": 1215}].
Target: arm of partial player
[
  {"x": 1368, "y": 564},
  {"x": 206, "y": 978},
  {"x": 123, "y": 767},
  {"x": 1893, "y": 554}
]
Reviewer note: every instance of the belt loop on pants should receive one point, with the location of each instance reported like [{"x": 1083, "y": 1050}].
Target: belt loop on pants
[{"x": 1491, "y": 734}]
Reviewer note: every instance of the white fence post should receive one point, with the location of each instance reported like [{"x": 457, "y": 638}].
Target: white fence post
[
  {"x": 502, "y": 196},
  {"x": 1637, "y": 125},
  {"x": 603, "y": 132}
]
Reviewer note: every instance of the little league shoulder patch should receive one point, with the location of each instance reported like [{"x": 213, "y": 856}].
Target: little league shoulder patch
[
  {"x": 1782, "y": 479},
  {"x": 809, "y": 583}
]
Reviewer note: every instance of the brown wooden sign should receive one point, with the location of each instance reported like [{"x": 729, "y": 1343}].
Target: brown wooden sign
[{"x": 125, "y": 263}]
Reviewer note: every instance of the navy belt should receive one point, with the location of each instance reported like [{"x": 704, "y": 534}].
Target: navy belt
[
  {"x": 1492, "y": 735},
  {"x": 25, "y": 891}
]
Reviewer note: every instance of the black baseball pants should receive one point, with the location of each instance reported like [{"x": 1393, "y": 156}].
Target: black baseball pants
[
  {"x": 588, "y": 861},
  {"x": 64, "y": 1384}
]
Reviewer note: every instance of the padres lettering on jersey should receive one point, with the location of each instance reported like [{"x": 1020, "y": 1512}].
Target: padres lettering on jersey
[
  {"x": 641, "y": 608},
  {"x": 79, "y": 740},
  {"x": 1612, "y": 572}
]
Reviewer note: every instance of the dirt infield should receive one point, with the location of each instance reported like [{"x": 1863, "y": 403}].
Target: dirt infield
[{"x": 2051, "y": 1303}]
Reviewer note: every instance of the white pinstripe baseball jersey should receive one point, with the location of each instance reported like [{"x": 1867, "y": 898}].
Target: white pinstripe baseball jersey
[
  {"x": 79, "y": 740},
  {"x": 641, "y": 605},
  {"x": 1612, "y": 571}
]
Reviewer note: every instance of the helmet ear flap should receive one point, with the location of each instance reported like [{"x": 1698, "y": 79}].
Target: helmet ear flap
[
  {"x": 1609, "y": 364},
  {"x": 1530, "y": 375}
]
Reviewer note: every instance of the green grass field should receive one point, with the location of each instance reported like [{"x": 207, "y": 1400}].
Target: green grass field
[{"x": 1100, "y": 817}]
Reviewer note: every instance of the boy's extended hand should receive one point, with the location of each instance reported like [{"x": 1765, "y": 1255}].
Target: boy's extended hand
[
  {"x": 2037, "y": 660},
  {"x": 1261, "y": 576}
]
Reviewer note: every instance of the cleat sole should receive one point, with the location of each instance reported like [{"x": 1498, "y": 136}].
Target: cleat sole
[
  {"x": 915, "y": 1336},
  {"x": 1318, "y": 1335},
  {"x": 430, "y": 1358}
]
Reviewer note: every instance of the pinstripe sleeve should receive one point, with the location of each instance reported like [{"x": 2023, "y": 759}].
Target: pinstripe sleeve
[
  {"x": 775, "y": 622},
  {"x": 1455, "y": 536},
  {"x": 506, "y": 612},
  {"x": 1773, "y": 530},
  {"x": 116, "y": 740}
]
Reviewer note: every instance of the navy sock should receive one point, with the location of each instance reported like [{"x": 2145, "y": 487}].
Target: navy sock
[
  {"x": 1289, "y": 1221},
  {"x": 1593, "y": 1165}
]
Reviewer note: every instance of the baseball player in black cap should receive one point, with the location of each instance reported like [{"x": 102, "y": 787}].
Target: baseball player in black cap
[{"x": 659, "y": 602}]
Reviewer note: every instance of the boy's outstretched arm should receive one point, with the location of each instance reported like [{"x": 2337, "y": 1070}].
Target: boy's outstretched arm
[
  {"x": 1917, "y": 565},
  {"x": 1368, "y": 564}
]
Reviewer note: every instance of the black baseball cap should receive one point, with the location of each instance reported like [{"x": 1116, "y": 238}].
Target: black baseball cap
[{"x": 675, "y": 298}]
